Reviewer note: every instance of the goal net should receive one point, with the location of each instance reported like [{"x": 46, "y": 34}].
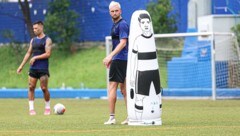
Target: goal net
[{"x": 199, "y": 65}]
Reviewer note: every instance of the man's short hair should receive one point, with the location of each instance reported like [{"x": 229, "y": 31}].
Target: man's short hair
[
  {"x": 114, "y": 3},
  {"x": 144, "y": 15},
  {"x": 38, "y": 22}
]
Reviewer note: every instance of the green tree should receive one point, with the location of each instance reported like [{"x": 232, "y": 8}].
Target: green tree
[
  {"x": 61, "y": 24},
  {"x": 163, "y": 21}
]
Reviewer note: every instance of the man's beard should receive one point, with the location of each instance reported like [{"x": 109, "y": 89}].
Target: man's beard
[
  {"x": 115, "y": 18},
  {"x": 37, "y": 33}
]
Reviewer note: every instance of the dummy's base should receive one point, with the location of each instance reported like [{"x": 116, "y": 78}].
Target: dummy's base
[{"x": 156, "y": 122}]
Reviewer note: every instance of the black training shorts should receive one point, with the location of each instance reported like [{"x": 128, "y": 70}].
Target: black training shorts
[
  {"x": 144, "y": 80},
  {"x": 37, "y": 73},
  {"x": 118, "y": 70}
]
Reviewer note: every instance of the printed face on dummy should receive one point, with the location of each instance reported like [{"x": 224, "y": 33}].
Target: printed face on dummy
[{"x": 145, "y": 25}]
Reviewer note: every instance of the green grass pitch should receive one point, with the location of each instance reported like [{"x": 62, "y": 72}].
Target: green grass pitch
[{"x": 86, "y": 117}]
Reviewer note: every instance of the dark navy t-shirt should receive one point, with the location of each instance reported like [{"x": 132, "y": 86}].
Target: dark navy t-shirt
[
  {"x": 38, "y": 48},
  {"x": 120, "y": 30}
]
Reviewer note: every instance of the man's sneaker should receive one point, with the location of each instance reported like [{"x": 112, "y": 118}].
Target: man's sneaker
[
  {"x": 47, "y": 112},
  {"x": 32, "y": 112},
  {"x": 110, "y": 122},
  {"x": 125, "y": 122}
]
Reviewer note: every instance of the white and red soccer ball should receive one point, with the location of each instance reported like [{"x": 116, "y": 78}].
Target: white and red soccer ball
[{"x": 59, "y": 109}]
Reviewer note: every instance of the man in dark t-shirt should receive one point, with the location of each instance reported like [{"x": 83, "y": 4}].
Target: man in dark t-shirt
[
  {"x": 39, "y": 51},
  {"x": 117, "y": 59}
]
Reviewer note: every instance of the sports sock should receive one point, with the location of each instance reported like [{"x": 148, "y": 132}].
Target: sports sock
[
  {"x": 31, "y": 105},
  {"x": 112, "y": 116},
  {"x": 47, "y": 105}
]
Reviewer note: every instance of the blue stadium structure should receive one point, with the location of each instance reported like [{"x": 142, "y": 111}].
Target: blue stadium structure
[
  {"x": 93, "y": 22},
  {"x": 94, "y": 19}
]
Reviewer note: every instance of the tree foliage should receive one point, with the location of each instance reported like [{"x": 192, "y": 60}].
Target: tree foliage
[
  {"x": 163, "y": 21},
  {"x": 60, "y": 23}
]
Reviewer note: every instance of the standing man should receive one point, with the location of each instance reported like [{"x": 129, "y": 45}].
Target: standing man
[
  {"x": 117, "y": 59},
  {"x": 39, "y": 51}
]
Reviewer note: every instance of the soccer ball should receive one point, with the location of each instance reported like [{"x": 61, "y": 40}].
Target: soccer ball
[{"x": 59, "y": 109}]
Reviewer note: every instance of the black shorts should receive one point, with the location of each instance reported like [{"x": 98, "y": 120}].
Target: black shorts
[
  {"x": 118, "y": 70},
  {"x": 37, "y": 73},
  {"x": 144, "y": 80}
]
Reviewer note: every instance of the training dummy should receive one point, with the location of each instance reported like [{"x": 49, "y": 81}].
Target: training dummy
[{"x": 143, "y": 80}]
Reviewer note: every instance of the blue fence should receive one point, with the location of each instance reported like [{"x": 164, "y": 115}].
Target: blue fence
[
  {"x": 102, "y": 93},
  {"x": 94, "y": 22}
]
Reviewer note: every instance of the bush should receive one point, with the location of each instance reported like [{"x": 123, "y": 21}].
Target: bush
[
  {"x": 60, "y": 24},
  {"x": 163, "y": 21}
]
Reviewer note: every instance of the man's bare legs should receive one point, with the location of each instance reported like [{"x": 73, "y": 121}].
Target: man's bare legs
[
  {"x": 124, "y": 93},
  {"x": 112, "y": 95},
  {"x": 31, "y": 94},
  {"x": 31, "y": 90},
  {"x": 44, "y": 87},
  {"x": 112, "y": 98}
]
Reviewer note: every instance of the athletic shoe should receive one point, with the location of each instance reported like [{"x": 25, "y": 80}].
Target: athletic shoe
[
  {"x": 47, "y": 112},
  {"x": 125, "y": 122},
  {"x": 110, "y": 122},
  {"x": 32, "y": 112}
]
